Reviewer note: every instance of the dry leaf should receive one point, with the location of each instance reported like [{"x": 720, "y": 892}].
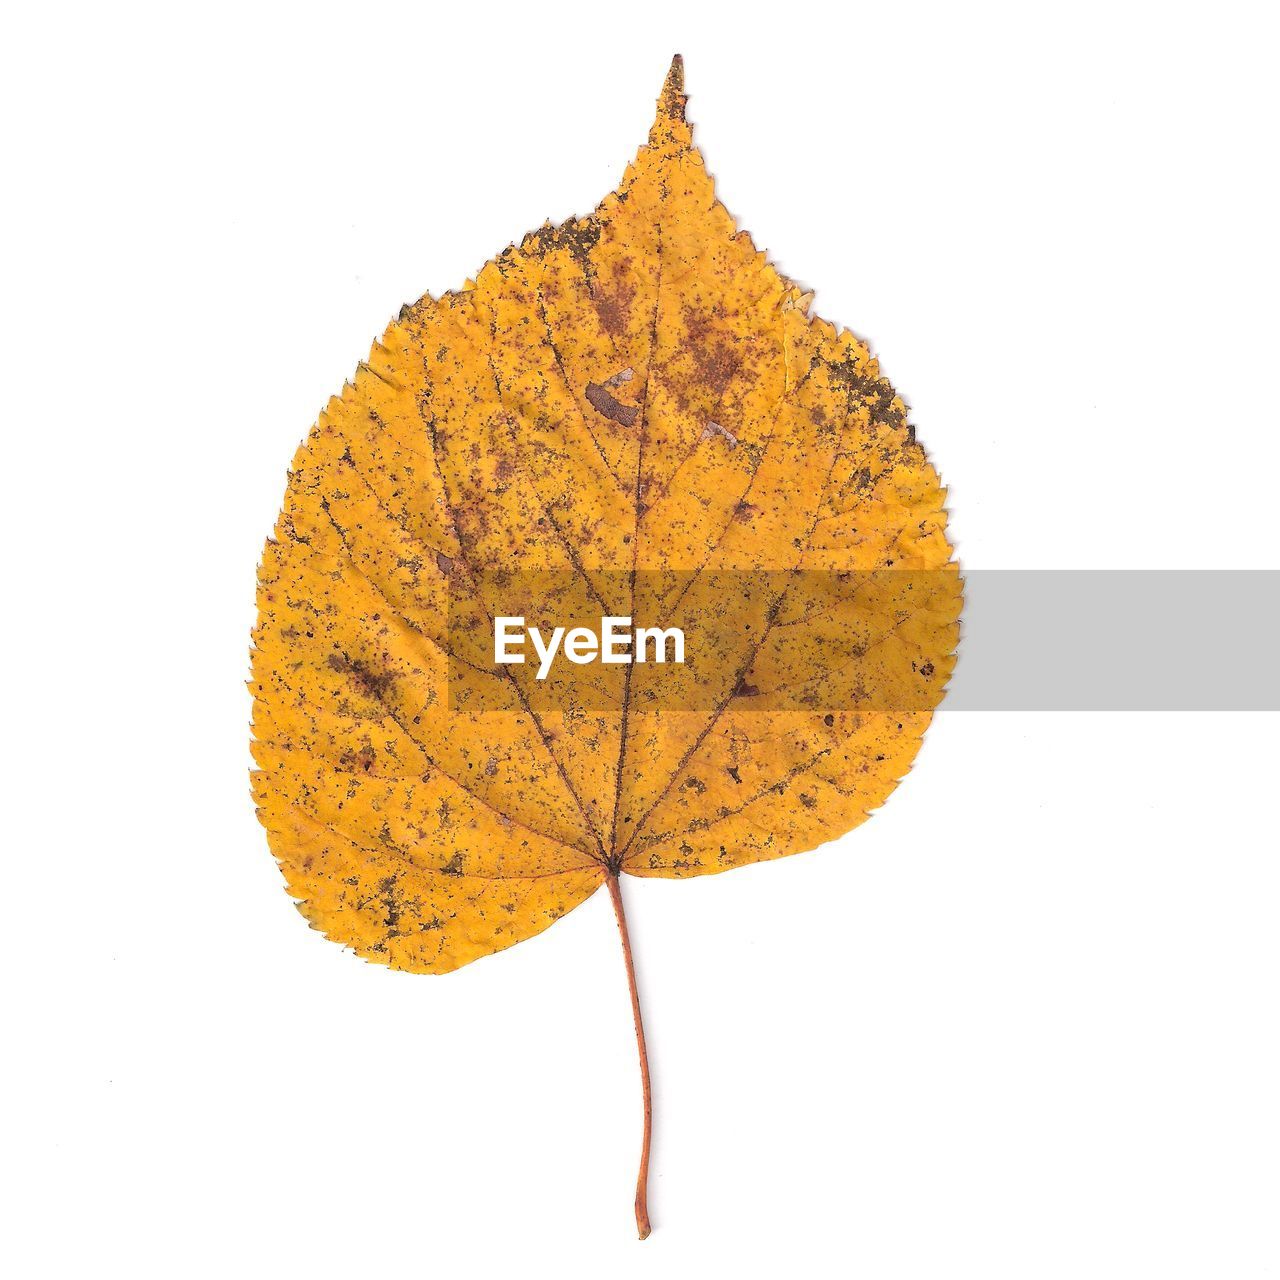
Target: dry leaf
[{"x": 638, "y": 406}]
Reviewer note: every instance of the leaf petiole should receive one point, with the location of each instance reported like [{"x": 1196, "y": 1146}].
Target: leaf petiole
[{"x": 642, "y": 1178}]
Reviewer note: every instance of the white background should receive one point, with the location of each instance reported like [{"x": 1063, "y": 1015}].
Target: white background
[{"x": 1022, "y": 1024}]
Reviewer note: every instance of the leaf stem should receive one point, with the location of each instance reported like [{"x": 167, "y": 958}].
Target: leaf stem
[{"x": 642, "y": 1179}]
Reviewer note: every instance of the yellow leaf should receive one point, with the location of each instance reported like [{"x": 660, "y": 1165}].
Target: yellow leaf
[{"x": 631, "y": 414}]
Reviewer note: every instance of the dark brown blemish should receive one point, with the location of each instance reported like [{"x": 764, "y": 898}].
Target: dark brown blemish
[
  {"x": 613, "y": 306},
  {"x": 579, "y": 238},
  {"x": 369, "y": 683},
  {"x": 603, "y": 402},
  {"x": 391, "y": 901},
  {"x": 362, "y": 760}
]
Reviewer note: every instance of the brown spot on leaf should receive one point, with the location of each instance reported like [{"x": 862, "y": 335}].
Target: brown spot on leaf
[
  {"x": 372, "y": 684},
  {"x": 603, "y": 402}
]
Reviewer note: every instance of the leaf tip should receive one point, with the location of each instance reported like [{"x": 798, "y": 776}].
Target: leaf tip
[{"x": 671, "y": 102}]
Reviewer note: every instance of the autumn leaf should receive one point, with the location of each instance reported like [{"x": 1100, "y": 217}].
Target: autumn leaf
[{"x": 631, "y": 414}]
